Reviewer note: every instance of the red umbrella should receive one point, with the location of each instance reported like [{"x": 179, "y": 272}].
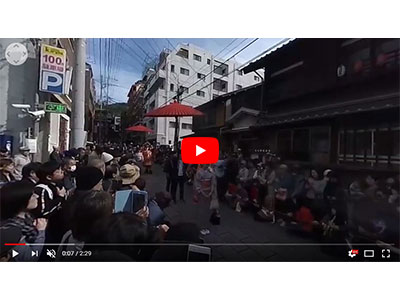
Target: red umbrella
[
  {"x": 139, "y": 128},
  {"x": 174, "y": 109}
]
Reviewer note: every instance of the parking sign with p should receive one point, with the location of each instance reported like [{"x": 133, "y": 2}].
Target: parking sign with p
[{"x": 52, "y": 69}]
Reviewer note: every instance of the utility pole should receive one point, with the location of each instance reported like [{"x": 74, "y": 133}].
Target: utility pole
[
  {"x": 176, "y": 137},
  {"x": 78, "y": 99}
]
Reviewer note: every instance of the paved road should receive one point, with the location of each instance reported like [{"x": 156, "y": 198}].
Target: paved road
[{"x": 240, "y": 237}]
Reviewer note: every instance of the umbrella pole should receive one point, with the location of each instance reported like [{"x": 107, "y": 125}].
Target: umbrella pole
[{"x": 176, "y": 138}]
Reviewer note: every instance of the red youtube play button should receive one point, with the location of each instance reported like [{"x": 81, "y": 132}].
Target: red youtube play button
[{"x": 200, "y": 150}]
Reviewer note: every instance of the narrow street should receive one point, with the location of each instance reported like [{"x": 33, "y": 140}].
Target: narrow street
[{"x": 245, "y": 238}]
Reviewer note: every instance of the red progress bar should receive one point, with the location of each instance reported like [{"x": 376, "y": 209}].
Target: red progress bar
[{"x": 14, "y": 244}]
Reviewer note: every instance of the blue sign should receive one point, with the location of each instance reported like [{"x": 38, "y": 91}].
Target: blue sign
[{"x": 52, "y": 82}]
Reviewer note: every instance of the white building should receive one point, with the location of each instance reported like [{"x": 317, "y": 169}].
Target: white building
[{"x": 188, "y": 66}]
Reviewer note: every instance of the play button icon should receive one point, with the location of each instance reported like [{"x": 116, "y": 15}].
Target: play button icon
[
  {"x": 14, "y": 253},
  {"x": 200, "y": 150}
]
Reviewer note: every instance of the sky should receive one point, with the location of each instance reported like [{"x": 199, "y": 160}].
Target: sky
[{"x": 128, "y": 55}]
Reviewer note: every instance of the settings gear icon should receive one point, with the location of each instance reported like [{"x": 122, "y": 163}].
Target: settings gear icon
[{"x": 352, "y": 253}]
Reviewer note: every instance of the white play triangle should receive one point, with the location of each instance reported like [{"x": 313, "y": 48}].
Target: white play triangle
[{"x": 199, "y": 150}]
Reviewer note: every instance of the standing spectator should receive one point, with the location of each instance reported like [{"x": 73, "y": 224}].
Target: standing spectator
[
  {"x": 315, "y": 187},
  {"x": 178, "y": 176},
  {"x": 55, "y": 155},
  {"x": 20, "y": 160},
  {"x": 7, "y": 170},
  {"x": 148, "y": 160},
  {"x": 167, "y": 170},
  {"x": 69, "y": 168},
  {"x": 99, "y": 164},
  {"x": 17, "y": 200},
  {"x": 96, "y": 154},
  {"x": 129, "y": 174},
  {"x": 82, "y": 157},
  {"x": 52, "y": 195},
  {"x": 30, "y": 171},
  {"x": 110, "y": 178},
  {"x": 4, "y": 153}
]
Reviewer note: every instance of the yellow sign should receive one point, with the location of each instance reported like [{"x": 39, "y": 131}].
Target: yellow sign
[{"x": 53, "y": 50}]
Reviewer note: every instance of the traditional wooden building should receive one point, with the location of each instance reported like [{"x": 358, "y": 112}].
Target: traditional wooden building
[{"x": 332, "y": 102}]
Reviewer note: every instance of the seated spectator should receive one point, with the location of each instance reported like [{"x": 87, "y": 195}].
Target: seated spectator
[
  {"x": 243, "y": 174},
  {"x": 30, "y": 171},
  {"x": 7, "y": 171},
  {"x": 17, "y": 200}
]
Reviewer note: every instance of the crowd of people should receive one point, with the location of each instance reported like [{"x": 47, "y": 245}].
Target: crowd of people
[
  {"x": 70, "y": 200},
  {"x": 323, "y": 204}
]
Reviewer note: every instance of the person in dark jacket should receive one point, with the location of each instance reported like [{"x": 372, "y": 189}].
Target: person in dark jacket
[
  {"x": 55, "y": 155},
  {"x": 177, "y": 173},
  {"x": 29, "y": 172},
  {"x": 52, "y": 196}
]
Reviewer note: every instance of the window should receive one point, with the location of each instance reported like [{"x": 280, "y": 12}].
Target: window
[
  {"x": 201, "y": 76},
  {"x": 221, "y": 69},
  {"x": 187, "y": 126},
  {"x": 220, "y": 85},
  {"x": 240, "y": 72},
  {"x": 185, "y": 89},
  {"x": 301, "y": 141},
  {"x": 196, "y": 57},
  {"x": 256, "y": 78},
  {"x": 200, "y": 93},
  {"x": 173, "y": 68},
  {"x": 238, "y": 87},
  {"x": 183, "y": 53},
  {"x": 185, "y": 71},
  {"x": 284, "y": 142},
  {"x": 171, "y": 124},
  {"x": 208, "y": 61},
  {"x": 320, "y": 140},
  {"x": 171, "y": 87},
  {"x": 162, "y": 86}
]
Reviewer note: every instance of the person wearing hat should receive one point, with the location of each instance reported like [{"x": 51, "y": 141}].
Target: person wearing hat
[
  {"x": 20, "y": 160},
  {"x": 129, "y": 174},
  {"x": 89, "y": 178}
]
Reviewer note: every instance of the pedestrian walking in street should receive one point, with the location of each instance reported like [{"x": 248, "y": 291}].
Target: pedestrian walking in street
[
  {"x": 20, "y": 160},
  {"x": 205, "y": 196}
]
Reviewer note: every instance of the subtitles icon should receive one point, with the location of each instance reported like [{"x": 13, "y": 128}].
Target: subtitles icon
[
  {"x": 51, "y": 253},
  {"x": 352, "y": 253}
]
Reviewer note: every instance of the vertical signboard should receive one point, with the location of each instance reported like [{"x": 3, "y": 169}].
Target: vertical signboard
[{"x": 52, "y": 69}]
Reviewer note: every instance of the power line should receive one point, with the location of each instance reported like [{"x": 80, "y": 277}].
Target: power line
[
  {"x": 155, "y": 52},
  {"x": 236, "y": 53}
]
